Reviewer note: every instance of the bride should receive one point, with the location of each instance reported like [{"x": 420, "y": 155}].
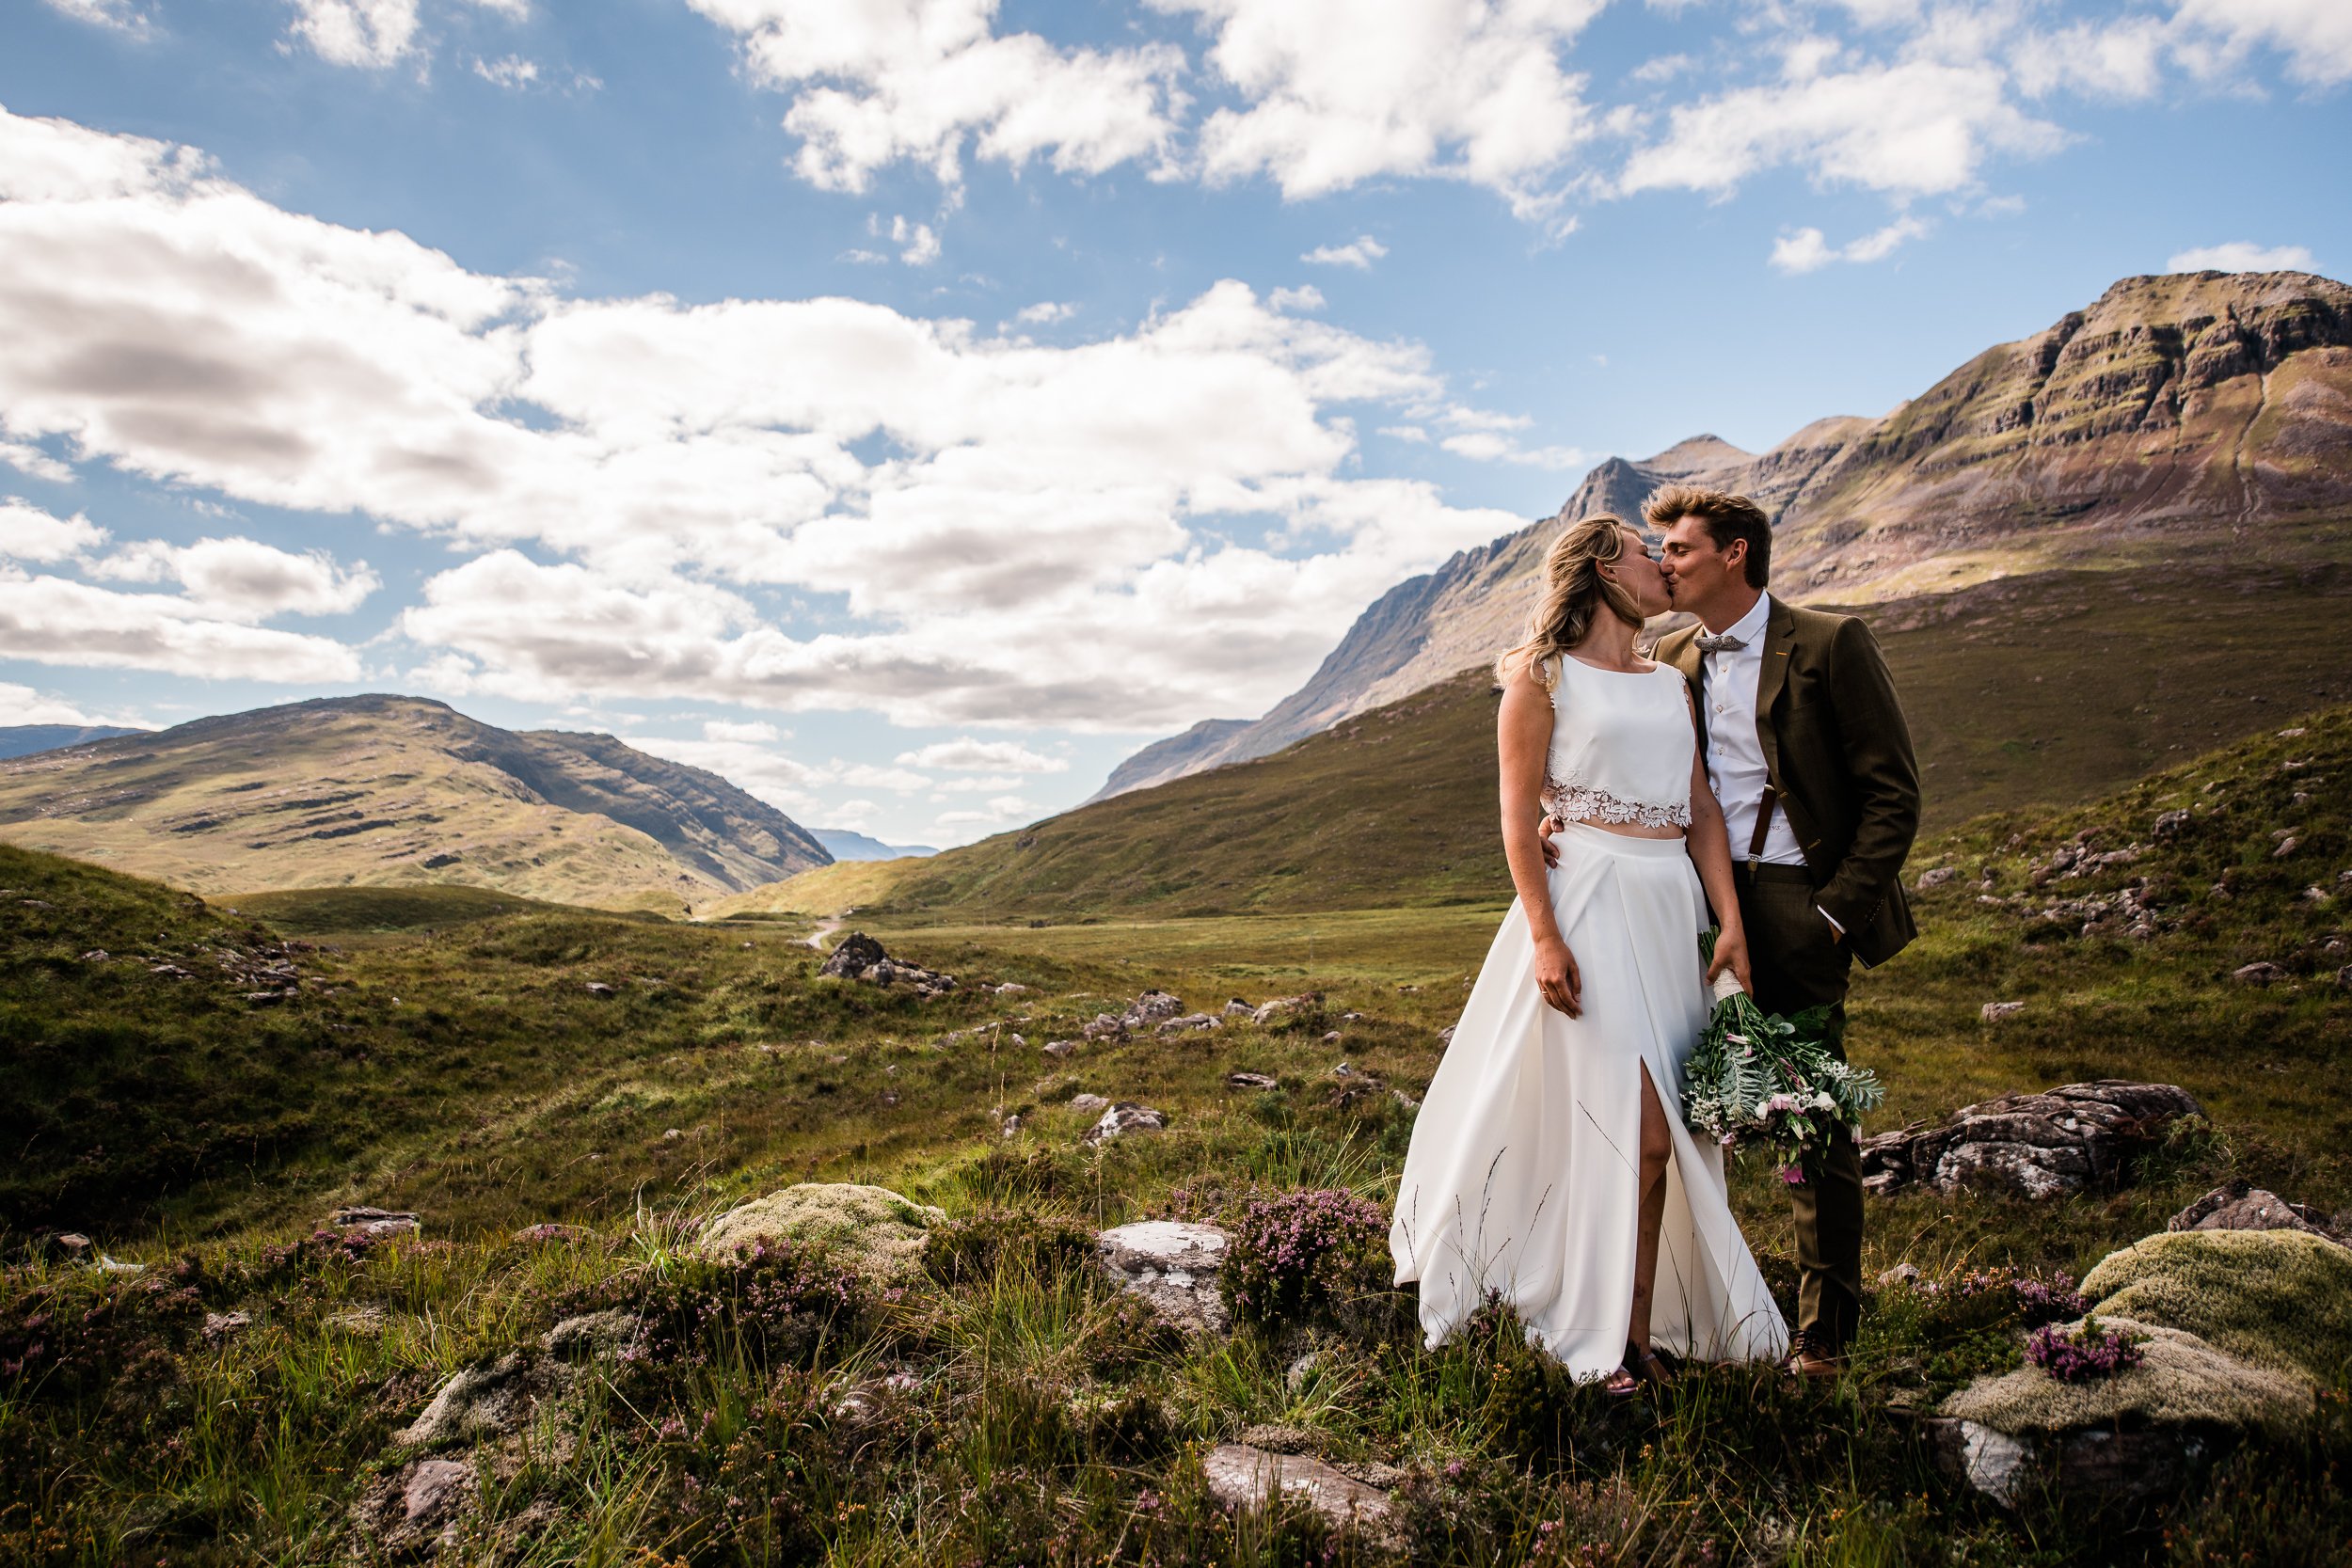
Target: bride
[{"x": 1549, "y": 1162}]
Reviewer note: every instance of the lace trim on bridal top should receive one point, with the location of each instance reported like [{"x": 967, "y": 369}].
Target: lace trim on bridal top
[{"x": 1579, "y": 802}]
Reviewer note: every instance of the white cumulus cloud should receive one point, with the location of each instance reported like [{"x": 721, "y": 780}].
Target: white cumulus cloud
[
  {"x": 1330, "y": 97},
  {"x": 29, "y": 533},
  {"x": 1359, "y": 253},
  {"x": 1118, "y": 534},
  {"x": 2241, "y": 256},
  {"x": 966, "y": 755},
  {"x": 873, "y": 82},
  {"x": 245, "y": 579},
  {"x": 1807, "y": 250}
]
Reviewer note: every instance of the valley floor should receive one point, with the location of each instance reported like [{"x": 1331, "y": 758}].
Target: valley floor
[{"x": 503, "y": 1070}]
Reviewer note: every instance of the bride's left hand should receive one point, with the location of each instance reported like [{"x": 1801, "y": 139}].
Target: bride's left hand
[{"x": 1731, "y": 952}]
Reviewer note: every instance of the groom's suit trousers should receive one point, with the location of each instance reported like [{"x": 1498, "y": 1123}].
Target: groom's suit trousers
[{"x": 1797, "y": 963}]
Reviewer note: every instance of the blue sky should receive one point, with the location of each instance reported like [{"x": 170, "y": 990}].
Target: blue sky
[{"x": 908, "y": 407}]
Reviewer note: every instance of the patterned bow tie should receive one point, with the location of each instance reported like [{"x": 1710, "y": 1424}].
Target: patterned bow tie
[{"x": 1727, "y": 644}]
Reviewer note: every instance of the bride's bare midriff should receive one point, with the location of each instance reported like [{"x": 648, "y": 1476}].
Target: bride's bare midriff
[{"x": 1627, "y": 830}]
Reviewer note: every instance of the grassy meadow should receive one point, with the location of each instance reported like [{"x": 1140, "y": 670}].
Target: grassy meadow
[{"x": 161, "y": 1091}]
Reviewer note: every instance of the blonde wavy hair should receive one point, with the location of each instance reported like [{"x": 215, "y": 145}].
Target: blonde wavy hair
[{"x": 1574, "y": 594}]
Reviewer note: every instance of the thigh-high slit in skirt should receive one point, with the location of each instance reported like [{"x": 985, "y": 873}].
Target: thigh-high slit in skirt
[{"x": 1523, "y": 1176}]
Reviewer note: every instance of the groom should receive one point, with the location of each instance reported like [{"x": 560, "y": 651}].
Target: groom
[{"x": 1809, "y": 756}]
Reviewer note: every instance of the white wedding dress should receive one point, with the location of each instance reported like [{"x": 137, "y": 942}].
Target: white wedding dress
[{"x": 1523, "y": 1174}]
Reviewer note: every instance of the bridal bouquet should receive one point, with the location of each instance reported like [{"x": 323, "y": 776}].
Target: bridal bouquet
[{"x": 1757, "y": 1077}]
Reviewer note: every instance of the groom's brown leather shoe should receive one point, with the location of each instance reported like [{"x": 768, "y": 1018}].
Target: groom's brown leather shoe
[{"x": 1813, "y": 1359}]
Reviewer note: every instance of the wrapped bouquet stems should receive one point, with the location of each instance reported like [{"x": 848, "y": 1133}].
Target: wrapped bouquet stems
[{"x": 1757, "y": 1078}]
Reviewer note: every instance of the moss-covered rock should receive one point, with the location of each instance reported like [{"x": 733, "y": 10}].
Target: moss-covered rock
[
  {"x": 874, "y": 1230},
  {"x": 2280, "y": 1299},
  {"x": 2181, "y": 1381}
]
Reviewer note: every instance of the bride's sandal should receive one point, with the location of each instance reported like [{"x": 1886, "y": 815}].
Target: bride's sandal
[{"x": 1640, "y": 1367}]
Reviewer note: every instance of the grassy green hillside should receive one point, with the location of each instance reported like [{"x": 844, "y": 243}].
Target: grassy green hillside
[
  {"x": 466, "y": 1070},
  {"x": 2048, "y": 689}
]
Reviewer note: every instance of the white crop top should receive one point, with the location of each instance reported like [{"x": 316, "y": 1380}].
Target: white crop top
[{"x": 1621, "y": 746}]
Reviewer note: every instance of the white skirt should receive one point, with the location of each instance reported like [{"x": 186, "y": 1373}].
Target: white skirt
[{"x": 1524, "y": 1177}]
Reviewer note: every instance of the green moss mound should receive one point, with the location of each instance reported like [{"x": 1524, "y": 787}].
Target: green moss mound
[
  {"x": 874, "y": 1230},
  {"x": 2183, "y": 1380},
  {"x": 2280, "y": 1299}
]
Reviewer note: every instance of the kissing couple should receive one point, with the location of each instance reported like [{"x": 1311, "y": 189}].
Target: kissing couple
[{"x": 1756, "y": 766}]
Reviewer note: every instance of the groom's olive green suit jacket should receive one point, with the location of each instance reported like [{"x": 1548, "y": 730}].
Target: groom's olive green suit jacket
[{"x": 1839, "y": 754}]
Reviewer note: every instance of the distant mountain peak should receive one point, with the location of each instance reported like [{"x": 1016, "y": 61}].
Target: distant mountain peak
[
  {"x": 385, "y": 789},
  {"x": 2171, "y": 410}
]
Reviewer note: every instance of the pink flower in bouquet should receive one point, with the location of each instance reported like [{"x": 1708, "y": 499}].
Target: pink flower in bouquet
[{"x": 1793, "y": 1175}]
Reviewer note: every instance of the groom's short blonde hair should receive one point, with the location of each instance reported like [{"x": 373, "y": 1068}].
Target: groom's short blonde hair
[{"x": 1727, "y": 517}]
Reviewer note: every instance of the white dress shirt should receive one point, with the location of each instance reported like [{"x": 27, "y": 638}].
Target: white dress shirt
[{"x": 1735, "y": 756}]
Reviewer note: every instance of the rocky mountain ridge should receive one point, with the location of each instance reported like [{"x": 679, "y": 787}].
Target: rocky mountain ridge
[
  {"x": 23, "y": 740},
  {"x": 2174, "y": 411},
  {"x": 391, "y": 790}
]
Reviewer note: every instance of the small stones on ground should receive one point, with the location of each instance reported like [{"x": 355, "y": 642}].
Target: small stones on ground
[
  {"x": 1088, "y": 1105},
  {"x": 1992, "y": 1012},
  {"x": 1331, "y": 1038},
  {"x": 1936, "y": 877},
  {"x": 598, "y": 988},
  {"x": 1059, "y": 1047},
  {"x": 220, "y": 1325},
  {"x": 2286, "y": 847},
  {"x": 2260, "y": 973},
  {"x": 671, "y": 1134},
  {"x": 1406, "y": 1101},
  {"x": 1011, "y": 988},
  {"x": 1294, "y": 1377},
  {"x": 1284, "y": 1007},
  {"x": 1238, "y": 1008},
  {"x": 1250, "y": 1081},
  {"x": 72, "y": 1243},
  {"x": 435, "y": 1490},
  {"x": 376, "y": 1223},
  {"x": 369, "y": 1318},
  {"x": 1171, "y": 1264},
  {"x": 1009, "y": 1127},
  {"x": 1445, "y": 1035},
  {"x": 1104, "y": 1026},
  {"x": 1122, "y": 1118},
  {"x": 1901, "y": 1273},
  {"x": 1152, "y": 1008},
  {"x": 1246, "y": 1479},
  {"x": 97, "y": 956},
  {"x": 1188, "y": 1021}
]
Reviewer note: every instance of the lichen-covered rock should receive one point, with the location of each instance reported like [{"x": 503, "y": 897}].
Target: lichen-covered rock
[
  {"x": 1152, "y": 1007},
  {"x": 376, "y": 1223},
  {"x": 2181, "y": 1381},
  {"x": 594, "y": 1336},
  {"x": 1284, "y": 1010},
  {"x": 488, "y": 1400},
  {"x": 1246, "y": 1479},
  {"x": 874, "y": 1230},
  {"x": 2243, "y": 1206},
  {"x": 2034, "y": 1145},
  {"x": 2280, "y": 1299},
  {"x": 2119, "y": 1465},
  {"x": 858, "y": 957},
  {"x": 1173, "y": 1265},
  {"x": 1186, "y": 1023},
  {"x": 1122, "y": 1118}
]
